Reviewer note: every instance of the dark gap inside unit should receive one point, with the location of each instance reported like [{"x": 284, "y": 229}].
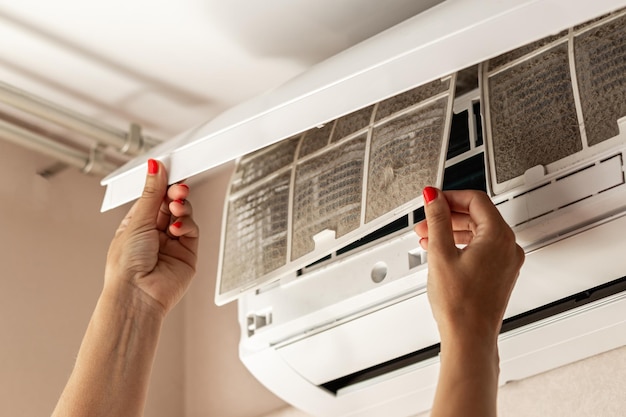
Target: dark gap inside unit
[
  {"x": 419, "y": 215},
  {"x": 459, "y": 142},
  {"x": 512, "y": 323},
  {"x": 317, "y": 262},
  {"x": 381, "y": 369},
  {"x": 467, "y": 174},
  {"x": 478, "y": 123}
]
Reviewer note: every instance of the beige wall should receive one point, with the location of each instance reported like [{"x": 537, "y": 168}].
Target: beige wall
[
  {"x": 595, "y": 387},
  {"x": 216, "y": 383},
  {"x": 52, "y": 251}
]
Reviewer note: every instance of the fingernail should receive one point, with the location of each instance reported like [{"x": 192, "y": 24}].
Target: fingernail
[
  {"x": 179, "y": 201},
  {"x": 184, "y": 185},
  {"x": 153, "y": 167},
  {"x": 430, "y": 194},
  {"x": 177, "y": 224}
]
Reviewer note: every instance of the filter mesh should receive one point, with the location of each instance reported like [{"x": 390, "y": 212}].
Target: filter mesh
[
  {"x": 258, "y": 165},
  {"x": 284, "y": 195},
  {"x": 328, "y": 191},
  {"x": 511, "y": 56},
  {"x": 256, "y": 234},
  {"x": 417, "y": 95},
  {"x": 601, "y": 67},
  {"x": 404, "y": 158},
  {"x": 315, "y": 139},
  {"x": 533, "y": 114},
  {"x": 352, "y": 123}
]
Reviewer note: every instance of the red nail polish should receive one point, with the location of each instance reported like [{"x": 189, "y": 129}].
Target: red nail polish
[
  {"x": 184, "y": 185},
  {"x": 430, "y": 194},
  {"x": 153, "y": 166},
  {"x": 177, "y": 225},
  {"x": 179, "y": 201}
]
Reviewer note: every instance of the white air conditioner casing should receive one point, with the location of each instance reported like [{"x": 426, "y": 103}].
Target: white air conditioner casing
[{"x": 354, "y": 335}]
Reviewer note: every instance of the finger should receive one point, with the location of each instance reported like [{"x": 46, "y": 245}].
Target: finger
[
  {"x": 187, "y": 232},
  {"x": 178, "y": 192},
  {"x": 148, "y": 207},
  {"x": 460, "y": 222},
  {"x": 180, "y": 208},
  {"x": 164, "y": 218},
  {"x": 460, "y": 238},
  {"x": 438, "y": 217},
  {"x": 185, "y": 226},
  {"x": 175, "y": 192},
  {"x": 478, "y": 205}
]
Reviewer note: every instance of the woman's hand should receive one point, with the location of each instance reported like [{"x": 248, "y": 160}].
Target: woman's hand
[
  {"x": 468, "y": 288},
  {"x": 153, "y": 254}
]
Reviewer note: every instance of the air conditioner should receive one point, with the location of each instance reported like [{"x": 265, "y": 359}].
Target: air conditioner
[{"x": 524, "y": 99}]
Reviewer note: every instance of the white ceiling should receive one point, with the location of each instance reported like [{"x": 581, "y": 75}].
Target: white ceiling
[{"x": 172, "y": 65}]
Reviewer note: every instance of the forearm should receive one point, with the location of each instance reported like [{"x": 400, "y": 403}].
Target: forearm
[
  {"x": 468, "y": 378},
  {"x": 113, "y": 366}
]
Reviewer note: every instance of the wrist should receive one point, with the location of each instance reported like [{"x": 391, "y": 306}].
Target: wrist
[
  {"x": 132, "y": 300},
  {"x": 479, "y": 348}
]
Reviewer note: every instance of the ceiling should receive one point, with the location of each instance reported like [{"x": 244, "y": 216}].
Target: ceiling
[{"x": 169, "y": 66}]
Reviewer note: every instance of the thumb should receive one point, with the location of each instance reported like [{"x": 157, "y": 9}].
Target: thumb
[
  {"x": 438, "y": 219},
  {"x": 147, "y": 208}
]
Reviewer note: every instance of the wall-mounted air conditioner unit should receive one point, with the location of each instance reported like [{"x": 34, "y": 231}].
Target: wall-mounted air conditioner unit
[{"x": 523, "y": 99}]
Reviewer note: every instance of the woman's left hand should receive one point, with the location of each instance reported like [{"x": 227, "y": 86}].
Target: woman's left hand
[{"x": 154, "y": 252}]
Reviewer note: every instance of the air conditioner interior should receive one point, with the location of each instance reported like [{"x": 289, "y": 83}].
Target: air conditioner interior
[{"x": 522, "y": 126}]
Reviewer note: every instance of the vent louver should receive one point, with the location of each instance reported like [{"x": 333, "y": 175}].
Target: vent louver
[{"x": 319, "y": 190}]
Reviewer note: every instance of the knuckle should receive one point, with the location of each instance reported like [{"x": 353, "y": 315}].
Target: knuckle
[
  {"x": 437, "y": 216},
  {"x": 149, "y": 190}
]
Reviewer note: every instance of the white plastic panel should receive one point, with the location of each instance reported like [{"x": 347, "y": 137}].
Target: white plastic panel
[
  {"x": 364, "y": 342},
  {"x": 449, "y": 37},
  {"x": 584, "y": 182}
]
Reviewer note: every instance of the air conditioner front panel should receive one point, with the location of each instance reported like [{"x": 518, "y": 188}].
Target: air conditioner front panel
[{"x": 356, "y": 345}]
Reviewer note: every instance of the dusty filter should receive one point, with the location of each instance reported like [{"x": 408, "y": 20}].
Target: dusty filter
[
  {"x": 551, "y": 102},
  {"x": 321, "y": 189}
]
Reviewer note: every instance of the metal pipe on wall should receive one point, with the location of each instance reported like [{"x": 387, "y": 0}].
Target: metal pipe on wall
[
  {"x": 127, "y": 143},
  {"x": 63, "y": 153}
]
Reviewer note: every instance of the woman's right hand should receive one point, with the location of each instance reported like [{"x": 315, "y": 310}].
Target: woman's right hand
[{"x": 468, "y": 288}]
